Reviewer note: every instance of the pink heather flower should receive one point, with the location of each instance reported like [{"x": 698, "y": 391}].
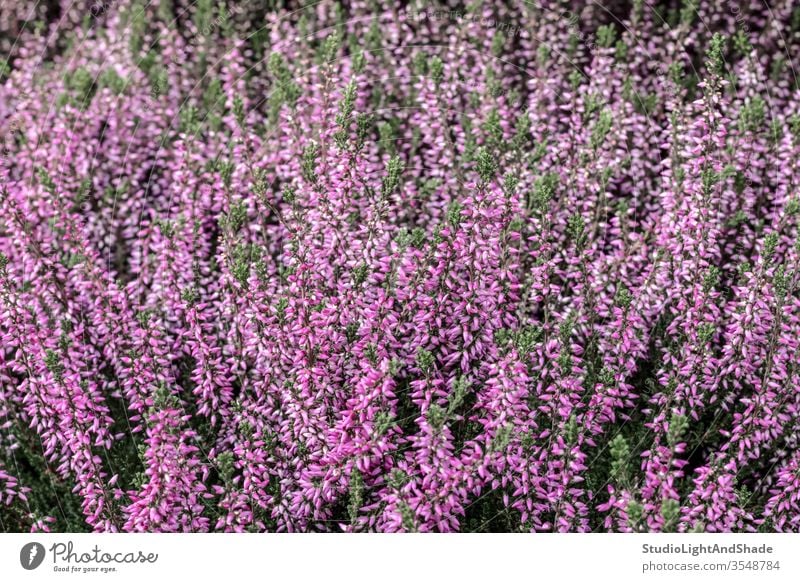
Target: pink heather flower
[{"x": 365, "y": 267}]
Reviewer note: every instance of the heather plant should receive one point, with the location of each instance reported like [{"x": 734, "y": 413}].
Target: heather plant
[{"x": 367, "y": 267}]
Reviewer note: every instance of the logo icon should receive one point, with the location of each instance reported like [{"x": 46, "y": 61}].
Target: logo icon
[{"x": 31, "y": 555}]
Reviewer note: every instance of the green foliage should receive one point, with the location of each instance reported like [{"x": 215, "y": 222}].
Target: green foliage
[
  {"x": 623, "y": 298},
  {"x": 394, "y": 171},
  {"x": 425, "y": 360},
  {"x": 309, "y": 163},
  {"x": 606, "y": 36},
  {"x": 705, "y": 332},
  {"x": 753, "y": 114},
  {"x": 486, "y": 165},
  {"x": 285, "y": 89},
  {"x": 356, "y": 495},
  {"x": 677, "y": 428},
  {"x": 601, "y": 129},
  {"x": 54, "y": 364},
  {"x": 384, "y": 420},
  {"x": 360, "y": 274},
  {"x": 715, "y": 59},
  {"x": 635, "y": 511},
  {"x": 436, "y": 68},
  {"x": 454, "y": 214},
  {"x": 436, "y": 416},
  {"x": 620, "y": 461},
  {"x": 671, "y": 512},
  {"x": 770, "y": 244},
  {"x": 225, "y": 467},
  {"x": 236, "y": 217},
  {"x": 576, "y": 230}
]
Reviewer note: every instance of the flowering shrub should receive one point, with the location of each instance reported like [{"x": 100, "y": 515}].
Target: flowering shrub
[{"x": 364, "y": 267}]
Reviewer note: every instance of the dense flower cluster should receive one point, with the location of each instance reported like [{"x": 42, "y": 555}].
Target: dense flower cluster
[{"x": 359, "y": 266}]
